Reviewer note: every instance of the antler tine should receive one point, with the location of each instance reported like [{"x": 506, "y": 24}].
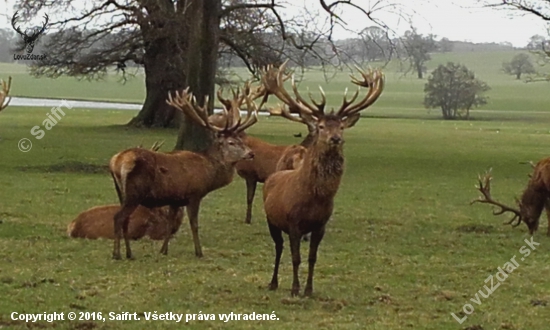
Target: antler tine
[
  {"x": 273, "y": 82},
  {"x": 187, "y": 103},
  {"x": 225, "y": 102},
  {"x": 375, "y": 81},
  {"x": 485, "y": 188},
  {"x": 316, "y": 110},
  {"x": 320, "y": 106},
  {"x": 282, "y": 111},
  {"x": 252, "y": 115},
  {"x": 4, "y": 94},
  {"x": 156, "y": 146}
]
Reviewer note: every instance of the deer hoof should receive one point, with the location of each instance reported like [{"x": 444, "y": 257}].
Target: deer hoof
[
  {"x": 273, "y": 286},
  {"x": 116, "y": 256}
]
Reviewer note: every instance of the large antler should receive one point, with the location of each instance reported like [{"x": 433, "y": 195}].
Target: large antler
[
  {"x": 485, "y": 188},
  {"x": 187, "y": 103},
  {"x": 4, "y": 94},
  {"x": 273, "y": 81},
  {"x": 374, "y": 81}
]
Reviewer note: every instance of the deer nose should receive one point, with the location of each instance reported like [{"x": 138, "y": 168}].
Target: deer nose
[
  {"x": 250, "y": 155},
  {"x": 336, "y": 140}
]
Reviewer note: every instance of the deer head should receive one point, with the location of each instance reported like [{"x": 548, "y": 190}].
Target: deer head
[
  {"x": 329, "y": 126},
  {"x": 227, "y": 137},
  {"x": 4, "y": 94},
  {"x": 30, "y": 36},
  {"x": 526, "y": 210}
]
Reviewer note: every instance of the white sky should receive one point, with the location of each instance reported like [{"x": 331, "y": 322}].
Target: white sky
[{"x": 464, "y": 20}]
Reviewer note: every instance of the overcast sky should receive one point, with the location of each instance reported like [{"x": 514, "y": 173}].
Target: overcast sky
[{"x": 463, "y": 20}]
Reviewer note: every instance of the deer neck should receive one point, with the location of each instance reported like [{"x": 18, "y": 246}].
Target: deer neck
[
  {"x": 308, "y": 140},
  {"x": 532, "y": 201},
  {"x": 223, "y": 170},
  {"x": 322, "y": 170}
]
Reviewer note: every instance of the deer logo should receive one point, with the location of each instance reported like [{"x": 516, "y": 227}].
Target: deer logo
[{"x": 30, "y": 36}]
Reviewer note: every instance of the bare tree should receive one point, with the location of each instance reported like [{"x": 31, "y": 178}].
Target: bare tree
[
  {"x": 418, "y": 49},
  {"x": 178, "y": 42}
]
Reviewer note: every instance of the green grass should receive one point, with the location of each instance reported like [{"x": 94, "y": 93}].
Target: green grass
[{"x": 403, "y": 250}]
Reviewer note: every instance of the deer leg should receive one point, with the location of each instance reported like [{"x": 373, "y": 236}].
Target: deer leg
[
  {"x": 121, "y": 221},
  {"x": 316, "y": 237},
  {"x": 250, "y": 191},
  {"x": 168, "y": 229},
  {"x": 547, "y": 209},
  {"x": 193, "y": 214},
  {"x": 294, "y": 237},
  {"x": 277, "y": 236},
  {"x": 118, "y": 192}
]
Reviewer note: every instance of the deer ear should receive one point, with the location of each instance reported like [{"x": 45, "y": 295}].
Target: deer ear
[{"x": 350, "y": 121}]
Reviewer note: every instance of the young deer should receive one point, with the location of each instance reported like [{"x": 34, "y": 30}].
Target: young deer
[
  {"x": 97, "y": 222},
  {"x": 534, "y": 198},
  {"x": 181, "y": 178},
  {"x": 4, "y": 94},
  {"x": 301, "y": 201}
]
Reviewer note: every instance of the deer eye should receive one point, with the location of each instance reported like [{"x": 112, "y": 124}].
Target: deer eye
[
  {"x": 321, "y": 126},
  {"x": 231, "y": 143}
]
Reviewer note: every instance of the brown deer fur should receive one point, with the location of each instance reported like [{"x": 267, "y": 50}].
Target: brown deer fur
[
  {"x": 180, "y": 178},
  {"x": 97, "y": 222},
  {"x": 301, "y": 201},
  {"x": 534, "y": 198},
  {"x": 266, "y": 158}
]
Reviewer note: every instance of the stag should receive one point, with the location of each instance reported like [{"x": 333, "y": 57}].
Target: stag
[
  {"x": 30, "y": 36},
  {"x": 301, "y": 201},
  {"x": 529, "y": 207},
  {"x": 4, "y": 94},
  {"x": 266, "y": 155},
  {"x": 181, "y": 178}
]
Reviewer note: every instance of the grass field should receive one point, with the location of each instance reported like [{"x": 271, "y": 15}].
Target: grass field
[{"x": 404, "y": 249}]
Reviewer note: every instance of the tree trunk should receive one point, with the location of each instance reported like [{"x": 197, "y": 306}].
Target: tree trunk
[
  {"x": 419, "y": 71},
  {"x": 164, "y": 63},
  {"x": 518, "y": 75},
  {"x": 204, "y": 27}
]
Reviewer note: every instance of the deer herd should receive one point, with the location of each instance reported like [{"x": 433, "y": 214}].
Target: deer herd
[{"x": 299, "y": 181}]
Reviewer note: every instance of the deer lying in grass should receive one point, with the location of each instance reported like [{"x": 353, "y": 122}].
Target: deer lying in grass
[
  {"x": 301, "y": 201},
  {"x": 97, "y": 222},
  {"x": 4, "y": 94},
  {"x": 181, "y": 178},
  {"x": 534, "y": 198}
]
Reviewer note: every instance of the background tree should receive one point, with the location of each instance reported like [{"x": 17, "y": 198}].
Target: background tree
[
  {"x": 445, "y": 45},
  {"x": 520, "y": 64},
  {"x": 536, "y": 43},
  {"x": 177, "y": 42},
  {"x": 455, "y": 90},
  {"x": 418, "y": 48}
]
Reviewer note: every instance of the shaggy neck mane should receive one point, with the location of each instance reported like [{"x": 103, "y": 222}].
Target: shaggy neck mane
[
  {"x": 533, "y": 200},
  {"x": 322, "y": 170}
]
